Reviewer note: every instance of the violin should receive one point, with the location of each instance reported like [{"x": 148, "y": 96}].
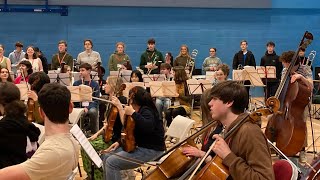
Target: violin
[
  {"x": 287, "y": 127},
  {"x": 30, "y": 103}
]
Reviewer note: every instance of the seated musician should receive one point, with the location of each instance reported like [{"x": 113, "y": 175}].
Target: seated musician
[
  {"x": 5, "y": 75},
  {"x": 37, "y": 81},
  {"x": 58, "y": 155},
  {"x": 98, "y": 140},
  {"x": 182, "y": 104},
  {"x": 136, "y": 76},
  {"x": 221, "y": 74},
  {"x": 148, "y": 133},
  {"x": 303, "y": 74},
  {"x": 90, "y": 108},
  {"x": 246, "y": 154},
  {"x": 163, "y": 103},
  {"x": 14, "y": 127},
  {"x": 26, "y": 69},
  {"x": 207, "y": 136}
]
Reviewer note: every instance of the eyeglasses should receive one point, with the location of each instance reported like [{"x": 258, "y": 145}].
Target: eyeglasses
[{"x": 212, "y": 51}]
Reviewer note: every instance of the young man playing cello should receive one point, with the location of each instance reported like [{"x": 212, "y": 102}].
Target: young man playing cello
[{"x": 246, "y": 154}]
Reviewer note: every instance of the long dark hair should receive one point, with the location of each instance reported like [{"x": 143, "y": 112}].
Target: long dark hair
[
  {"x": 9, "y": 75},
  {"x": 10, "y": 99},
  {"x": 40, "y": 78},
  {"x": 139, "y": 96},
  {"x": 138, "y": 74},
  {"x": 34, "y": 56}
]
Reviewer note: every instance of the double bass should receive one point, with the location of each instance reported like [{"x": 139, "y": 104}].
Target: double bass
[{"x": 287, "y": 126}]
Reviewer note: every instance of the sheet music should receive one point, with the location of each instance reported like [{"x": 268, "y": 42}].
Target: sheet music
[
  {"x": 198, "y": 86},
  {"x": 163, "y": 89},
  {"x": 23, "y": 91},
  {"x": 78, "y": 134},
  {"x": 80, "y": 93}
]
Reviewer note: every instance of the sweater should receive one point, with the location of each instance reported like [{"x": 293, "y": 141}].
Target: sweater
[
  {"x": 239, "y": 59},
  {"x": 13, "y": 139},
  {"x": 151, "y": 56},
  {"x": 116, "y": 59},
  {"x": 210, "y": 62},
  {"x": 68, "y": 59}
]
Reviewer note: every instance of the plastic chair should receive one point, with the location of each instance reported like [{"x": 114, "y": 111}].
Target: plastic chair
[
  {"x": 74, "y": 117},
  {"x": 180, "y": 127},
  {"x": 283, "y": 170}
]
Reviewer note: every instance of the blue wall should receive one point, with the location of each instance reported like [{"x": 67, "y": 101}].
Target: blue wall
[{"x": 171, "y": 27}]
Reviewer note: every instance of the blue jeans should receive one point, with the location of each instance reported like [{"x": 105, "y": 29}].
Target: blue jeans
[
  {"x": 162, "y": 104},
  {"x": 113, "y": 165}
]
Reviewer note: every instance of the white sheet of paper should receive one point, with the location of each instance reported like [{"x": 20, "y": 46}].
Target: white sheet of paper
[{"x": 78, "y": 134}]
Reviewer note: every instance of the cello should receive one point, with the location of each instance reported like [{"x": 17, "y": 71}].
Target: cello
[
  {"x": 215, "y": 169},
  {"x": 287, "y": 127},
  {"x": 176, "y": 163}
]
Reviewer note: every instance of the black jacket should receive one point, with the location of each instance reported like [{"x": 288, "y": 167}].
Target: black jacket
[
  {"x": 272, "y": 60},
  {"x": 13, "y": 140},
  {"x": 239, "y": 59}
]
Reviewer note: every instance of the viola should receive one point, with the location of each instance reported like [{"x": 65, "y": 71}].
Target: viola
[
  {"x": 287, "y": 126},
  {"x": 112, "y": 116},
  {"x": 127, "y": 136}
]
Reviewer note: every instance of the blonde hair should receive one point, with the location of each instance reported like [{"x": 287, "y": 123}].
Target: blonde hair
[
  {"x": 115, "y": 83},
  {"x": 184, "y": 45}
]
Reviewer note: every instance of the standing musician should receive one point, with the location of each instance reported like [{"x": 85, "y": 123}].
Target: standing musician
[
  {"x": 300, "y": 73},
  {"x": 182, "y": 104},
  {"x": 26, "y": 69},
  {"x": 271, "y": 59},
  {"x": 62, "y": 56},
  {"x": 148, "y": 133},
  {"x": 119, "y": 59},
  {"x": 211, "y": 62},
  {"x": 151, "y": 58},
  {"x": 90, "y": 108},
  {"x": 89, "y": 56},
  {"x": 183, "y": 58},
  {"x": 37, "y": 80},
  {"x": 246, "y": 154}
]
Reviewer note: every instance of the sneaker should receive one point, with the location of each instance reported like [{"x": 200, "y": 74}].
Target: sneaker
[{"x": 302, "y": 157}]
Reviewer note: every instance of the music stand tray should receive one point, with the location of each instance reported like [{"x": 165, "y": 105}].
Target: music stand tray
[{"x": 163, "y": 89}]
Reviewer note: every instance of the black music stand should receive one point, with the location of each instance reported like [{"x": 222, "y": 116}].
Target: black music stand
[
  {"x": 124, "y": 74},
  {"x": 197, "y": 87},
  {"x": 152, "y": 77},
  {"x": 58, "y": 77}
]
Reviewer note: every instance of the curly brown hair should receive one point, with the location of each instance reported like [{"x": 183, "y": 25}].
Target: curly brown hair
[{"x": 286, "y": 57}]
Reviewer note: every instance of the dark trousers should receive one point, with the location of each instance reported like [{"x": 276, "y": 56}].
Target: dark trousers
[{"x": 171, "y": 113}]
